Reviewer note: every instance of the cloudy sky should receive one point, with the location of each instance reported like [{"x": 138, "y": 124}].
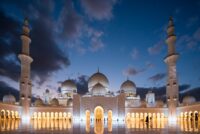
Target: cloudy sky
[{"x": 123, "y": 38}]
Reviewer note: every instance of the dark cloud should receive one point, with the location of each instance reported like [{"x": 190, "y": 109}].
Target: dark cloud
[
  {"x": 96, "y": 42},
  {"x": 72, "y": 26},
  {"x": 160, "y": 92},
  {"x": 70, "y": 22},
  {"x": 157, "y": 77},
  {"x": 9, "y": 46},
  {"x": 98, "y": 9},
  {"x": 131, "y": 71},
  {"x": 192, "y": 92},
  {"x": 44, "y": 49},
  {"x": 6, "y": 89},
  {"x": 184, "y": 88},
  {"x": 82, "y": 84}
]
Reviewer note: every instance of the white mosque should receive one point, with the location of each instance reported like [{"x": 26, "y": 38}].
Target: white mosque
[{"x": 99, "y": 103}]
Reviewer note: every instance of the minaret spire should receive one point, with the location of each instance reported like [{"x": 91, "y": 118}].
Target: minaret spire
[
  {"x": 171, "y": 37},
  {"x": 172, "y": 90},
  {"x": 25, "y": 81}
]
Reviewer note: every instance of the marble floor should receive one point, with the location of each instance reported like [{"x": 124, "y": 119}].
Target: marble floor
[{"x": 135, "y": 126}]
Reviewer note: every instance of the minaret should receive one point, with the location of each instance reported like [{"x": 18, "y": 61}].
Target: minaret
[
  {"x": 172, "y": 89},
  {"x": 25, "y": 81}
]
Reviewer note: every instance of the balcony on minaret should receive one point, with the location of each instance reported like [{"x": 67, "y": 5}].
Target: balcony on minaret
[
  {"x": 175, "y": 98},
  {"x": 168, "y": 98},
  {"x": 174, "y": 83},
  {"x": 22, "y": 97}
]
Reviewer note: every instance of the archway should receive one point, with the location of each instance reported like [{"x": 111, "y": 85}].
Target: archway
[
  {"x": 98, "y": 113},
  {"x": 87, "y": 115},
  {"x": 196, "y": 115},
  {"x": 3, "y": 114},
  {"x": 7, "y": 114},
  {"x": 17, "y": 115},
  {"x": 109, "y": 115},
  {"x": 43, "y": 115},
  {"x": 87, "y": 118}
]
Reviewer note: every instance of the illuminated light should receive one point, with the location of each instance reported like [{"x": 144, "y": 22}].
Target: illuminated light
[
  {"x": 172, "y": 119},
  {"x": 25, "y": 119}
]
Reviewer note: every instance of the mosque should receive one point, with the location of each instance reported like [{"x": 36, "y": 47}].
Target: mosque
[{"x": 99, "y": 103}]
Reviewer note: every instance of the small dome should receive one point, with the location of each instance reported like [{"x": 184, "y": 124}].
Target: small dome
[
  {"x": 70, "y": 102},
  {"x": 97, "y": 78},
  {"x": 54, "y": 102},
  {"x": 189, "y": 100},
  {"x": 38, "y": 102},
  {"x": 98, "y": 89},
  {"x": 10, "y": 99},
  {"x": 128, "y": 87},
  {"x": 68, "y": 86}
]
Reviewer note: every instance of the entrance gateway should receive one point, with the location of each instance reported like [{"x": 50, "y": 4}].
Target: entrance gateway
[{"x": 98, "y": 114}]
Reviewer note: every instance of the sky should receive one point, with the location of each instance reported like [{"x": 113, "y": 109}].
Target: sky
[{"x": 71, "y": 39}]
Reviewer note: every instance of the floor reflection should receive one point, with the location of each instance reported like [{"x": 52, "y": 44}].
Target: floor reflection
[
  {"x": 141, "y": 124},
  {"x": 51, "y": 124},
  {"x": 99, "y": 127},
  {"x": 187, "y": 125},
  {"x": 9, "y": 124}
]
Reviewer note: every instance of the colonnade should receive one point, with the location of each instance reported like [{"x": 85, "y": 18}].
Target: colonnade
[
  {"x": 144, "y": 116},
  {"x": 189, "y": 121},
  {"x": 61, "y": 124},
  {"x": 9, "y": 114},
  {"x": 52, "y": 115},
  {"x": 190, "y": 115}
]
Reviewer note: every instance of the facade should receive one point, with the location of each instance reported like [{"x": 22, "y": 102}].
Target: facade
[{"x": 99, "y": 103}]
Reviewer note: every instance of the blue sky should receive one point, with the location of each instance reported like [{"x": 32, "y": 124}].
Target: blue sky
[{"x": 123, "y": 38}]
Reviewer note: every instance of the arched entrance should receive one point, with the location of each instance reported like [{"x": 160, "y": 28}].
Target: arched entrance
[
  {"x": 87, "y": 115},
  {"x": 3, "y": 114},
  {"x": 99, "y": 117},
  {"x": 109, "y": 115},
  {"x": 98, "y": 113}
]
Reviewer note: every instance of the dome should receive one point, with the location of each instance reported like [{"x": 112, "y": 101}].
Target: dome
[
  {"x": 10, "y": 99},
  {"x": 38, "y": 102},
  {"x": 128, "y": 87},
  {"x": 68, "y": 86},
  {"x": 189, "y": 100},
  {"x": 54, "y": 102},
  {"x": 97, "y": 78},
  {"x": 98, "y": 89},
  {"x": 70, "y": 102}
]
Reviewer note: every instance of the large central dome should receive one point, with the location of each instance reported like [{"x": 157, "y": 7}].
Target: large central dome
[
  {"x": 98, "y": 89},
  {"x": 97, "y": 78}
]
